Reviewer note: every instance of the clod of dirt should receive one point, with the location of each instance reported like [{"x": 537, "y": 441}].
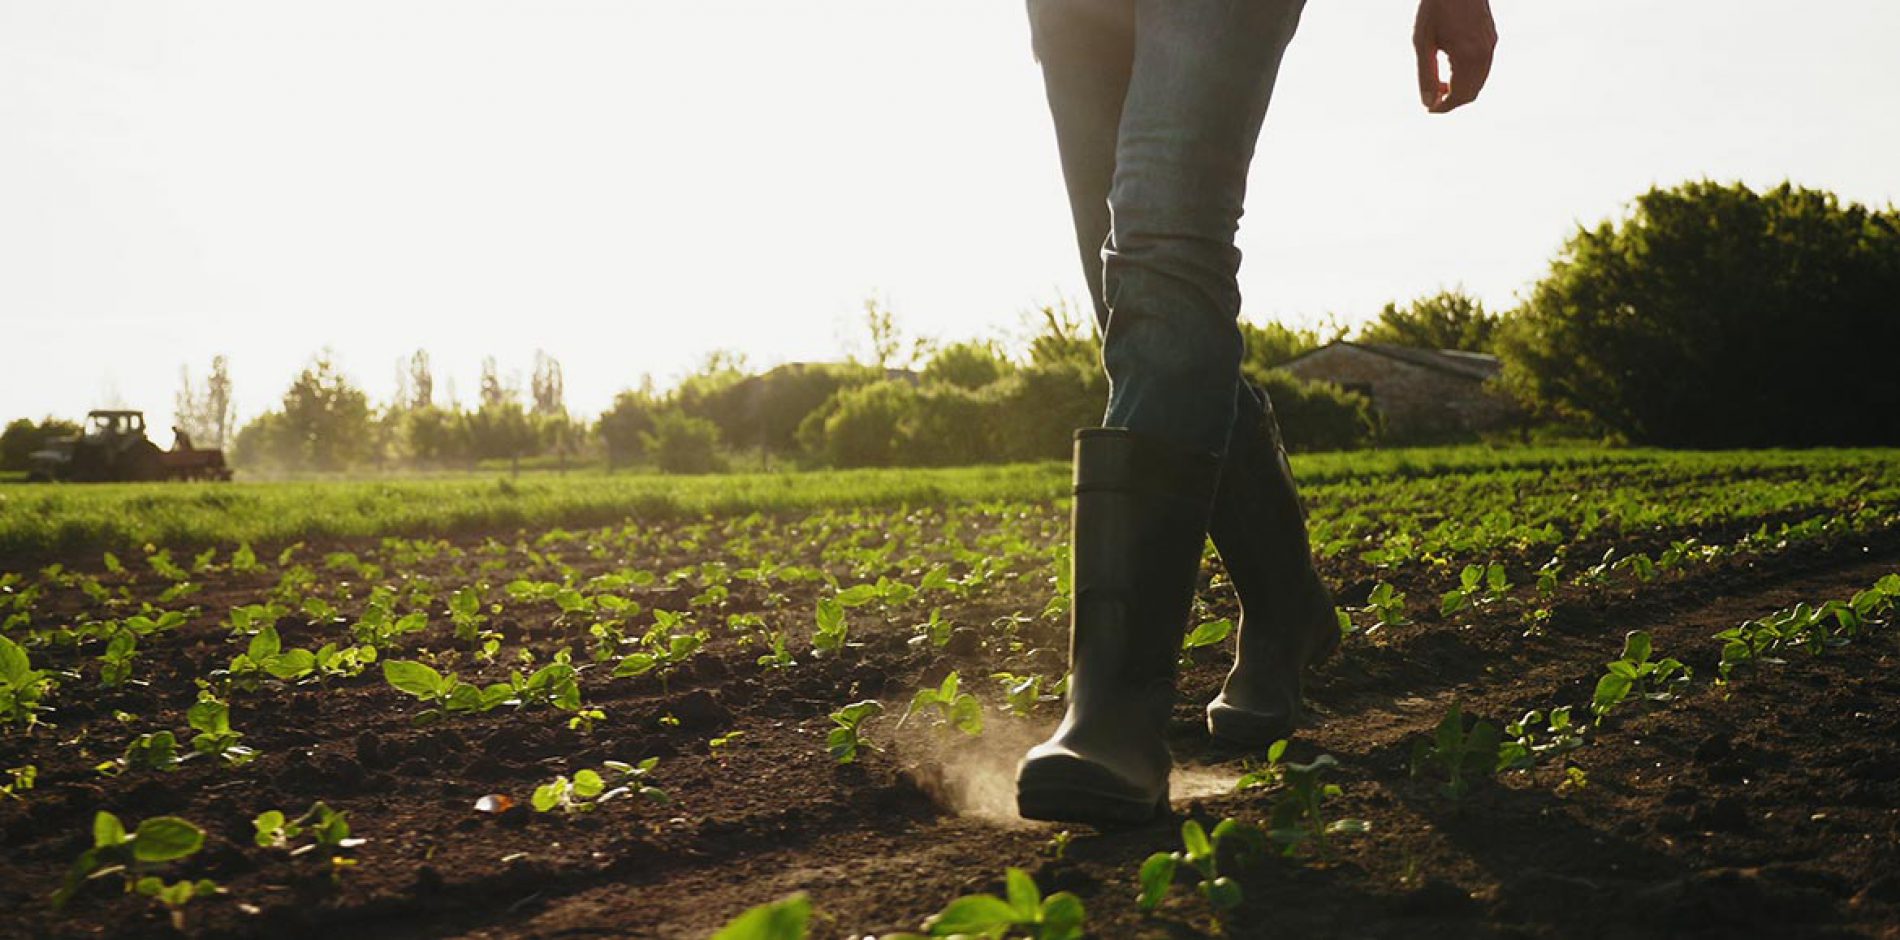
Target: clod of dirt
[
  {"x": 1680, "y": 795},
  {"x": 964, "y": 641},
  {"x": 1714, "y": 748},
  {"x": 1726, "y": 814},
  {"x": 1882, "y": 768},
  {"x": 1435, "y": 898},
  {"x": 700, "y": 709},
  {"x": 369, "y": 750},
  {"x": 428, "y": 881}
]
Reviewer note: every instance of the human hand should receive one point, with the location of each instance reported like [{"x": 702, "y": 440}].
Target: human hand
[{"x": 1464, "y": 31}]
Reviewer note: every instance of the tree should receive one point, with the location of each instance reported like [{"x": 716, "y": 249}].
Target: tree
[
  {"x": 625, "y": 427},
  {"x": 681, "y": 443},
  {"x": 325, "y": 422},
  {"x": 421, "y": 381},
  {"x": 206, "y": 415},
  {"x": 1276, "y": 344},
  {"x": 546, "y": 385},
  {"x": 1450, "y": 319},
  {"x": 970, "y": 365},
  {"x": 1714, "y": 316},
  {"x": 22, "y": 437},
  {"x": 887, "y": 339}
]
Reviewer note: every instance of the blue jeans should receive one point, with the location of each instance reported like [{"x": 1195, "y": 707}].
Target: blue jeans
[{"x": 1158, "y": 105}]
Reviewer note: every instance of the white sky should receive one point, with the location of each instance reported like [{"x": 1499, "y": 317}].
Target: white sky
[{"x": 631, "y": 184}]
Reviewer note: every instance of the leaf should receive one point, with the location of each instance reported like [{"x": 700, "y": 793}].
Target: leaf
[
  {"x": 966, "y": 713},
  {"x": 465, "y": 603},
  {"x": 857, "y": 595},
  {"x": 107, "y": 830},
  {"x": 1157, "y": 875},
  {"x": 1024, "y": 896},
  {"x": 1223, "y": 893},
  {"x": 636, "y": 664},
  {"x": 1062, "y": 917},
  {"x": 268, "y": 824},
  {"x": 548, "y": 795},
  {"x": 265, "y": 644},
  {"x": 784, "y": 919},
  {"x": 979, "y": 914},
  {"x": 1208, "y": 634},
  {"x": 412, "y": 677},
  {"x": 588, "y": 784},
  {"x": 1194, "y": 839},
  {"x": 15, "y": 669},
  {"x": 1636, "y": 646},
  {"x": 292, "y": 665},
  {"x": 166, "y": 839}
]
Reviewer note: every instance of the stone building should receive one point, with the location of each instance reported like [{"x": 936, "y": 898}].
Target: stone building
[{"x": 1421, "y": 395}]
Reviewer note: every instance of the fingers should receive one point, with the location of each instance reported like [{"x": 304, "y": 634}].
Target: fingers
[
  {"x": 1431, "y": 87},
  {"x": 1469, "y": 69}
]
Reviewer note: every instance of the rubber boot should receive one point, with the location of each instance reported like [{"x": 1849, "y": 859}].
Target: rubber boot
[
  {"x": 1287, "y": 622},
  {"x": 1140, "y": 520}
]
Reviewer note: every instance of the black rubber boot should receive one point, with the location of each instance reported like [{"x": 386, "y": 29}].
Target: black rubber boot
[
  {"x": 1140, "y": 518},
  {"x": 1287, "y": 621}
]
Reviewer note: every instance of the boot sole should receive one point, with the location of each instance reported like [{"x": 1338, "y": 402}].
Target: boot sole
[{"x": 1054, "y": 790}]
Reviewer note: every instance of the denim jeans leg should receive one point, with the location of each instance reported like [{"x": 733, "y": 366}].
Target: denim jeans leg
[
  {"x": 1203, "y": 74},
  {"x": 1087, "y": 51}
]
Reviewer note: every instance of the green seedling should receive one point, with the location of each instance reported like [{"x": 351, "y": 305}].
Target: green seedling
[
  {"x": 832, "y": 629},
  {"x": 779, "y": 657},
  {"x": 328, "y": 829},
  {"x": 19, "y": 780},
  {"x": 784, "y": 919},
  {"x": 1535, "y": 737},
  {"x": 1256, "y": 775},
  {"x": 1636, "y": 674},
  {"x": 1387, "y": 604},
  {"x": 590, "y": 788},
  {"x": 211, "y": 718},
  {"x": 22, "y": 688},
  {"x": 115, "y": 851},
  {"x": 334, "y": 662},
  {"x": 161, "y": 562},
  {"x": 1297, "y": 817},
  {"x": 1201, "y": 853},
  {"x": 948, "y": 706},
  {"x": 465, "y": 613},
  {"x": 1211, "y": 633},
  {"x": 935, "y": 631},
  {"x": 1023, "y": 913},
  {"x": 1458, "y": 752},
  {"x": 115, "y": 664},
  {"x": 846, "y": 739},
  {"x": 665, "y": 649},
  {"x": 720, "y": 743},
  {"x": 244, "y": 560},
  {"x": 1021, "y": 694},
  {"x": 379, "y": 627},
  {"x": 1478, "y": 585},
  {"x": 266, "y": 656},
  {"x": 445, "y": 693},
  {"x": 1640, "y": 565},
  {"x": 155, "y": 751}
]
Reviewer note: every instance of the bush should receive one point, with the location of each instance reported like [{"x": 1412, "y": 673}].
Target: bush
[
  {"x": 1317, "y": 415},
  {"x": 681, "y": 443},
  {"x": 1716, "y": 317},
  {"x": 22, "y": 437},
  {"x": 860, "y": 426}
]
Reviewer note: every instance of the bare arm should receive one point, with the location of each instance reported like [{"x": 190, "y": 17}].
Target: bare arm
[{"x": 1464, "y": 32}]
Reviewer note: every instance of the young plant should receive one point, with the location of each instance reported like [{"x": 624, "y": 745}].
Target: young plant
[
  {"x": 1525, "y": 743},
  {"x": 115, "y": 664},
  {"x": 948, "y": 706},
  {"x": 1458, "y": 752},
  {"x": 155, "y": 751},
  {"x": 19, "y": 780},
  {"x": 266, "y": 656},
  {"x": 784, "y": 919},
  {"x": 1297, "y": 817},
  {"x": 1636, "y": 674},
  {"x": 590, "y": 788},
  {"x": 328, "y": 829},
  {"x": 115, "y": 851},
  {"x": 832, "y": 629},
  {"x": 211, "y": 718},
  {"x": 1201, "y": 853},
  {"x": 446, "y": 694},
  {"x": 847, "y": 738},
  {"x": 465, "y": 613},
  {"x": 1478, "y": 585},
  {"x": 1211, "y": 633},
  {"x": 1387, "y": 604},
  {"x": 665, "y": 649},
  {"x": 22, "y": 688},
  {"x": 1257, "y": 775},
  {"x": 1024, "y": 913}
]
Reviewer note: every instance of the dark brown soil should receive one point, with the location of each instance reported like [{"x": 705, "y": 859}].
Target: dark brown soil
[{"x": 1766, "y": 807}]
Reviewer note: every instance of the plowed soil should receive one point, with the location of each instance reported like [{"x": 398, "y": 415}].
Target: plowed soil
[{"x": 1766, "y": 807}]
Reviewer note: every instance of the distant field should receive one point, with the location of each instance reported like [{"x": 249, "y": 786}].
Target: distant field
[{"x": 52, "y": 519}]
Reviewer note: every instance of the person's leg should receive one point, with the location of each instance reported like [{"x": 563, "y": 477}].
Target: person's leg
[
  {"x": 1204, "y": 72},
  {"x": 1087, "y": 51},
  {"x": 1144, "y": 485}
]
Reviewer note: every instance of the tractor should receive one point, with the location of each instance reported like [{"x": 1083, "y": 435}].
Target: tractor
[{"x": 114, "y": 448}]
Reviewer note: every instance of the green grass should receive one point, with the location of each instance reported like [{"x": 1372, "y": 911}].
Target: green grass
[{"x": 52, "y": 520}]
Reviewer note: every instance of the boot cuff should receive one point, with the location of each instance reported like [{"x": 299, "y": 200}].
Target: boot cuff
[{"x": 1119, "y": 459}]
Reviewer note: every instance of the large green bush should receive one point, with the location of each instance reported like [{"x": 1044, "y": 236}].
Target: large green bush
[
  {"x": 1718, "y": 317},
  {"x": 1317, "y": 416}
]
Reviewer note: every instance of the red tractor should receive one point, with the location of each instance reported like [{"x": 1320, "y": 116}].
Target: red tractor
[{"x": 114, "y": 448}]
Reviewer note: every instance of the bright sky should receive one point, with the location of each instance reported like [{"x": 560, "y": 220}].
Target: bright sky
[{"x": 629, "y": 184}]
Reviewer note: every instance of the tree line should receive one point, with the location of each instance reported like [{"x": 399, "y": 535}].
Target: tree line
[{"x": 1709, "y": 315}]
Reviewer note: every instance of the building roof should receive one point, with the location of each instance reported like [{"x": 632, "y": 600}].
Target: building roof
[{"x": 1477, "y": 367}]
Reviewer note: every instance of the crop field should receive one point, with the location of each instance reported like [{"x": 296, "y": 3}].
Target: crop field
[{"x": 1581, "y": 694}]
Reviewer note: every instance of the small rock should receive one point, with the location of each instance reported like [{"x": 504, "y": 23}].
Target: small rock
[
  {"x": 699, "y": 709},
  {"x": 1727, "y": 814},
  {"x": 1680, "y": 795},
  {"x": 964, "y": 641},
  {"x": 1714, "y": 748},
  {"x": 369, "y": 750}
]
